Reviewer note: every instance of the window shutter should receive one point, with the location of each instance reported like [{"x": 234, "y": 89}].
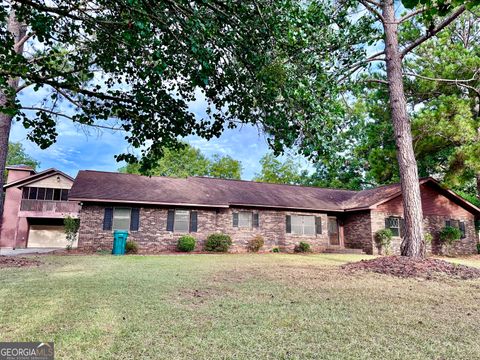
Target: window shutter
[
  {"x": 108, "y": 219},
  {"x": 318, "y": 224},
  {"x": 289, "y": 224},
  {"x": 255, "y": 220},
  {"x": 235, "y": 219},
  {"x": 193, "y": 221},
  {"x": 134, "y": 219},
  {"x": 170, "y": 219},
  {"x": 462, "y": 229},
  {"x": 402, "y": 227},
  {"x": 447, "y": 223},
  {"x": 387, "y": 223}
]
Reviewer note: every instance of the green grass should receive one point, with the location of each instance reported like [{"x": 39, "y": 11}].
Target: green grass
[{"x": 236, "y": 306}]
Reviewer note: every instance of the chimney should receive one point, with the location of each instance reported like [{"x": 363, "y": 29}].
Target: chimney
[{"x": 17, "y": 172}]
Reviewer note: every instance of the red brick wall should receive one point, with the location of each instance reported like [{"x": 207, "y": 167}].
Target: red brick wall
[
  {"x": 153, "y": 236},
  {"x": 432, "y": 224},
  {"x": 433, "y": 203},
  {"x": 357, "y": 229}
]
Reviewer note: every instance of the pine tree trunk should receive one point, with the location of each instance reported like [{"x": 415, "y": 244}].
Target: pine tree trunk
[
  {"x": 18, "y": 31},
  {"x": 412, "y": 244},
  {"x": 478, "y": 186}
]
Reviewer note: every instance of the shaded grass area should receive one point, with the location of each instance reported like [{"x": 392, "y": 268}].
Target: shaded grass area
[{"x": 236, "y": 306}]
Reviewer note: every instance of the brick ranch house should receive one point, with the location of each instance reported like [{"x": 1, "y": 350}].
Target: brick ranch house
[{"x": 158, "y": 210}]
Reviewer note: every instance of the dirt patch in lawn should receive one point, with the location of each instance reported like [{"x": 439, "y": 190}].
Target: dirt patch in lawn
[
  {"x": 15, "y": 261},
  {"x": 406, "y": 267}
]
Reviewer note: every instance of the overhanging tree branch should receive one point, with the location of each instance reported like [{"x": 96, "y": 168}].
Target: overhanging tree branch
[
  {"x": 430, "y": 33},
  {"x": 368, "y": 5}
]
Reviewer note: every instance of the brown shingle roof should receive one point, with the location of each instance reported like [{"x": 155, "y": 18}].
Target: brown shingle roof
[
  {"x": 105, "y": 186},
  {"x": 97, "y": 186}
]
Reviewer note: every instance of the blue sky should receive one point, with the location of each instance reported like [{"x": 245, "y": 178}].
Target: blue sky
[
  {"x": 79, "y": 148},
  {"x": 76, "y": 150}
]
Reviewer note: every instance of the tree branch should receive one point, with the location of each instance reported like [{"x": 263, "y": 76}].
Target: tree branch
[
  {"x": 379, "y": 81},
  {"x": 369, "y": 7},
  {"x": 411, "y": 14},
  {"x": 456, "y": 81},
  {"x": 22, "y": 41},
  {"x": 433, "y": 32},
  {"x": 56, "y": 113}
]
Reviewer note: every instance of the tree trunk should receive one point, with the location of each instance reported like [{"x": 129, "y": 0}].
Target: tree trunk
[
  {"x": 18, "y": 31},
  {"x": 412, "y": 244},
  {"x": 478, "y": 185}
]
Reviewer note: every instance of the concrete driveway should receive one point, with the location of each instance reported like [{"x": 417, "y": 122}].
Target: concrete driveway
[{"x": 27, "y": 251}]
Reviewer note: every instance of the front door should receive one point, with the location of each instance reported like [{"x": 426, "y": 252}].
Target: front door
[{"x": 333, "y": 234}]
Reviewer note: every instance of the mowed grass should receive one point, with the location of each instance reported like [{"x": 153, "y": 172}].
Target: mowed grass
[{"x": 236, "y": 306}]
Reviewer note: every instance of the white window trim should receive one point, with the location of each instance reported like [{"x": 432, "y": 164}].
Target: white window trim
[
  {"x": 175, "y": 230},
  {"x": 122, "y": 217},
  {"x": 292, "y": 216},
  {"x": 399, "y": 219},
  {"x": 249, "y": 221}
]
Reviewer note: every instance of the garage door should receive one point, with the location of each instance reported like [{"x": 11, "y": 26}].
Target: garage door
[{"x": 47, "y": 236}]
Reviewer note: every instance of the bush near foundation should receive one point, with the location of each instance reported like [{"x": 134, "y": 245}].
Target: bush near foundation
[
  {"x": 218, "y": 243},
  {"x": 186, "y": 243}
]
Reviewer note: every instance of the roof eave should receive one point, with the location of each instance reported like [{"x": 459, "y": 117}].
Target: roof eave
[{"x": 116, "y": 201}]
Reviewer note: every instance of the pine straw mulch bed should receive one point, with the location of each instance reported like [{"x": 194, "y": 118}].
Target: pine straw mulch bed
[
  {"x": 17, "y": 262},
  {"x": 405, "y": 267}
]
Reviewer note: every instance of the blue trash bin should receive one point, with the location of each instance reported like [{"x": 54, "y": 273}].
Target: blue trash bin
[{"x": 119, "y": 242}]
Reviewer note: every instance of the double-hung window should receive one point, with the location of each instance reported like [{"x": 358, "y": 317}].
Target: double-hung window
[
  {"x": 121, "y": 218},
  {"x": 302, "y": 224},
  {"x": 394, "y": 223},
  {"x": 182, "y": 221},
  {"x": 246, "y": 219}
]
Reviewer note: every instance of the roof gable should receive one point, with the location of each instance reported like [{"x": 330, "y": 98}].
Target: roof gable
[{"x": 37, "y": 177}]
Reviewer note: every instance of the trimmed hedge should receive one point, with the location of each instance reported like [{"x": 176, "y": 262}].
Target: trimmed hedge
[
  {"x": 218, "y": 243},
  {"x": 186, "y": 243}
]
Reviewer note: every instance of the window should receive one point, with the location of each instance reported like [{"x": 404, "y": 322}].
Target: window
[
  {"x": 393, "y": 223},
  {"x": 48, "y": 194},
  {"x": 303, "y": 224},
  {"x": 459, "y": 225},
  {"x": 245, "y": 219},
  {"x": 121, "y": 218},
  {"x": 182, "y": 221},
  {"x": 33, "y": 193},
  {"x": 64, "y": 195}
]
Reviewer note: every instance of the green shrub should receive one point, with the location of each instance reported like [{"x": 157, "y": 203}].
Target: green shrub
[
  {"x": 218, "y": 243},
  {"x": 449, "y": 235},
  {"x": 71, "y": 226},
  {"x": 478, "y": 248},
  {"x": 256, "y": 243},
  {"x": 302, "y": 247},
  {"x": 186, "y": 243},
  {"x": 428, "y": 238},
  {"x": 275, "y": 250},
  {"x": 383, "y": 238},
  {"x": 131, "y": 247}
]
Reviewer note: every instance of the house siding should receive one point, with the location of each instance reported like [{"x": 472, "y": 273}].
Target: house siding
[
  {"x": 153, "y": 237},
  {"x": 437, "y": 209}
]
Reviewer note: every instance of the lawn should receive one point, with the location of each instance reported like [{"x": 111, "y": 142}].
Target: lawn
[{"x": 236, "y": 306}]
